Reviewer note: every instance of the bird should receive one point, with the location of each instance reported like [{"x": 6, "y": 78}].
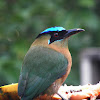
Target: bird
[{"x": 47, "y": 63}]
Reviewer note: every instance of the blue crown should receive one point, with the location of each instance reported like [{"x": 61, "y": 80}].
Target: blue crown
[{"x": 56, "y": 28}]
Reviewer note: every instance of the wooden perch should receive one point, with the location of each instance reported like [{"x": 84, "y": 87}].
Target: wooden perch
[{"x": 9, "y": 92}]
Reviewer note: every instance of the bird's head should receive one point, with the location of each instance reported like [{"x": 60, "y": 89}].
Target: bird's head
[{"x": 57, "y": 34}]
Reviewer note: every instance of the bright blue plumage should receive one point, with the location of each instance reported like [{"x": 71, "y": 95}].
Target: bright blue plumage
[{"x": 56, "y": 28}]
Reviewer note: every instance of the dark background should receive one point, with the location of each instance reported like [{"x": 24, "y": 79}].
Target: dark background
[{"x": 22, "y": 20}]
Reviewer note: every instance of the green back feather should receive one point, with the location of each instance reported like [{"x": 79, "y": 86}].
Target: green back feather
[{"x": 41, "y": 67}]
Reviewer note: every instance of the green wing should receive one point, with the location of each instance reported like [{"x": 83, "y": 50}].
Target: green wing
[{"x": 41, "y": 67}]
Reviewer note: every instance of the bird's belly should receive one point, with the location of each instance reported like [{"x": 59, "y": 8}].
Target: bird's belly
[
  {"x": 50, "y": 91},
  {"x": 53, "y": 88}
]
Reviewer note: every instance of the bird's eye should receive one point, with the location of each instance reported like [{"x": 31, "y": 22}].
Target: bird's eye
[{"x": 56, "y": 34}]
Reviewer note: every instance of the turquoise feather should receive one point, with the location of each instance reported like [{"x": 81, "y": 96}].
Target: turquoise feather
[{"x": 51, "y": 29}]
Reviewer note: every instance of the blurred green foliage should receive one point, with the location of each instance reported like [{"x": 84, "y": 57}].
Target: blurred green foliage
[{"x": 22, "y": 20}]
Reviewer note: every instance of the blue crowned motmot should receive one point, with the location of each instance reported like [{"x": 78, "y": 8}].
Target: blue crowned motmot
[{"x": 46, "y": 64}]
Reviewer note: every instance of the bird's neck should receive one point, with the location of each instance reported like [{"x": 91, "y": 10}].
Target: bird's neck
[
  {"x": 43, "y": 41},
  {"x": 59, "y": 46}
]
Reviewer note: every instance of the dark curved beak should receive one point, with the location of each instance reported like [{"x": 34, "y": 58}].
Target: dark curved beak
[{"x": 72, "y": 32}]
